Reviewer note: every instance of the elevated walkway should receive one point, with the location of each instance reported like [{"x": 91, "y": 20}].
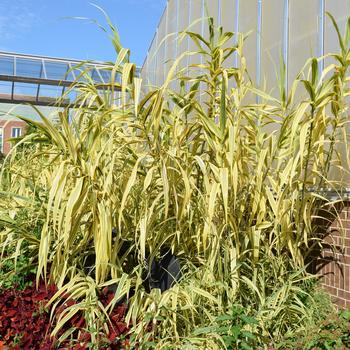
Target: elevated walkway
[{"x": 43, "y": 81}]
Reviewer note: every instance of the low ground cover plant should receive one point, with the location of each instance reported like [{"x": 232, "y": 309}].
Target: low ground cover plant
[
  {"x": 236, "y": 329},
  {"x": 328, "y": 328},
  {"x": 220, "y": 174}
]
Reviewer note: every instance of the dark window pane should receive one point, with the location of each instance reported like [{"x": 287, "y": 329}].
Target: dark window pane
[{"x": 16, "y": 132}]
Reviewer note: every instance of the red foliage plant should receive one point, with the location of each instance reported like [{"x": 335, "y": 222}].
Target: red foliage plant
[{"x": 25, "y": 324}]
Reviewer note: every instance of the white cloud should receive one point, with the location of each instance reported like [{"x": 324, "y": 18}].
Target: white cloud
[{"x": 16, "y": 17}]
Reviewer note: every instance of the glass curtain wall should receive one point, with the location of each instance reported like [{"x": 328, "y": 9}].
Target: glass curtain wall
[
  {"x": 228, "y": 18},
  {"x": 340, "y": 9},
  {"x": 272, "y": 45},
  {"x": 248, "y": 19},
  {"x": 196, "y": 25},
  {"x": 303, "y": 33},
  {"x": 280, "y": 31},
  {"x": 171, "y": 41},
  {"x": 184, "y": 17}
]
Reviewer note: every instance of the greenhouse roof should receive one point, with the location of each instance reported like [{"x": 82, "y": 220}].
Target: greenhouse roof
[{"x": 42, "y": 80}]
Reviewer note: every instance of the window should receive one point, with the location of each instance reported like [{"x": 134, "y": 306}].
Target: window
[
  {"x": 1, "y": 140},
  {"x": 16, "y": 132}
]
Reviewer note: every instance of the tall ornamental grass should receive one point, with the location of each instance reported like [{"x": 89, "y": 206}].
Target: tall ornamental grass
[{"x": 225, "y": 176}]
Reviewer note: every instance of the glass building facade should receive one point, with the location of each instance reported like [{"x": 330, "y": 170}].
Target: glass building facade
[{"x": 289, "y": 31}]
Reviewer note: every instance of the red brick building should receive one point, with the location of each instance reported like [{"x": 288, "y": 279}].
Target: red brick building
[
  {"x": 10, "y": 129},
  {"x": 332, "y": 262}
]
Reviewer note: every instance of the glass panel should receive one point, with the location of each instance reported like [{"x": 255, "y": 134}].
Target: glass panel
[
  {"x": 248, "y": 15},
  {"x": 72, "y": 95},
  {"x": 161, "y": 50},
  {"x": 228, "y": 17},
  {"x": 57, "y": 71},
  {"x": 117, "y": 98},
  {"x": 50, "y": 91},
  {"x": 152, "y": 62},
  {"x": 213, "y": 11},
  {"x": 171, "y": 29},
  {"x": 166, "y": 41},
  {"x": 340, "y": 9},
  {"x": 5, "y": 88},
  {"x": 271, "y": 43},
  {"x": 80, "y": 72},
  {"x": 196, "y": 26},
  {"x": 95, "y": 76},
  {"x": 145, "y": 71},
  {"x": 303, "y": 34},
  {"x": 100, "y": 75},
  {"x": 183, "y": 24},
  {"x": 28, "y": 68},
  {"x": 106, "y": 75},
  {"x": 6, "y": 65},
  {"x": 23, "y": 90}
]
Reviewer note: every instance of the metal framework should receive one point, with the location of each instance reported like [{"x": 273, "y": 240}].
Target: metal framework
[{"x": 43, "y": 80}]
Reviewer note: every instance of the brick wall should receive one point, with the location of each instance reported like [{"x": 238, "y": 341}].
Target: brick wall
[
  {"x": 333, "y": 262},
  {"x": 7, "y": 126}
]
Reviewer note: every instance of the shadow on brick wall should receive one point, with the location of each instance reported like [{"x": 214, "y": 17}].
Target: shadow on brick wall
[{"x": 330, "y": 257}]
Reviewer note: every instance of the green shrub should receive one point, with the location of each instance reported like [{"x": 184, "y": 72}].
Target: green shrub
[
  {"x": 16, "y": 275},
  {"x": 327, "y": 328},
  {"x": 235, "y": 329}
]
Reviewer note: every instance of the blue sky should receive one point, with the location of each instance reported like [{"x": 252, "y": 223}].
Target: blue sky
[{"x": 46, "y": 27}]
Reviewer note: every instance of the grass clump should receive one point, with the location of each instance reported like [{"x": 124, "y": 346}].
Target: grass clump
[{"x": 232, "y": 187}]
